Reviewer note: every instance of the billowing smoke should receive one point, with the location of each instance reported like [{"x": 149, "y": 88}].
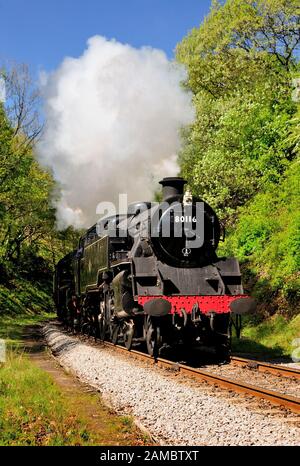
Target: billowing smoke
[{"x": 113, "y": 122}]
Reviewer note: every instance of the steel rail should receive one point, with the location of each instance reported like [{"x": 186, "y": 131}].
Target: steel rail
[
  {"x": 282, "y": 370},
  {"x": 274, "y": 397}
]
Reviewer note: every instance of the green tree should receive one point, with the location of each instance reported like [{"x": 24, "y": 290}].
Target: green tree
[
  {"x": 242, "y": 152},
  {"x": 28, "y": 234},
  {"x": 240, "y": 64}
]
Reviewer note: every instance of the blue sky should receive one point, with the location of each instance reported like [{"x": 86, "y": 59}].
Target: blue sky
[{"x": 42, "y": 32}]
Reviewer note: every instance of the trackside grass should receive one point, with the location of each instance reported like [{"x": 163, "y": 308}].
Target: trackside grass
[
  {"x": 37, "y": 408},
  {"x": 32, "y": 409},
  {"x": 273, "y": 337}
]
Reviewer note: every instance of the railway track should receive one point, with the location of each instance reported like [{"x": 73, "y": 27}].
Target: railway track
[
  {"x": 277, "y": 398},
  {"x": 284, "y": 371}
]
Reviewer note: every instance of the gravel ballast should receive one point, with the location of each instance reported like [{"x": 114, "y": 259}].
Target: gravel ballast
[{"x": 173, "y": 412}]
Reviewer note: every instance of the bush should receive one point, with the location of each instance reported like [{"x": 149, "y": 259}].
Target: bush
[{"x": 266, "y": 239}]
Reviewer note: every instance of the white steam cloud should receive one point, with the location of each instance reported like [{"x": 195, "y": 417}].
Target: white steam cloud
[{"x": 113, "y": 119}]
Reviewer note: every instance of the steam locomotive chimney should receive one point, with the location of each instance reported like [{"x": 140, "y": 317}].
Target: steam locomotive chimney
[{"x": 172, "y": 186}]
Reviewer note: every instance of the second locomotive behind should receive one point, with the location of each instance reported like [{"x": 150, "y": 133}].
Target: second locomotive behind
[{"x": 152, "y": 275}]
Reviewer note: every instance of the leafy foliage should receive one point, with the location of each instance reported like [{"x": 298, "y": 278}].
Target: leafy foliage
[
  {"x": 30, "y": 245},
  {"x": 242, "y": 92},
  {"x": 241, "y": 154},
  {"x": 267, "y": 241}
]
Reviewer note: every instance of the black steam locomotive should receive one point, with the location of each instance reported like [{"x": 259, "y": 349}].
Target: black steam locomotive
[{"x": 152, "y": 276}]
